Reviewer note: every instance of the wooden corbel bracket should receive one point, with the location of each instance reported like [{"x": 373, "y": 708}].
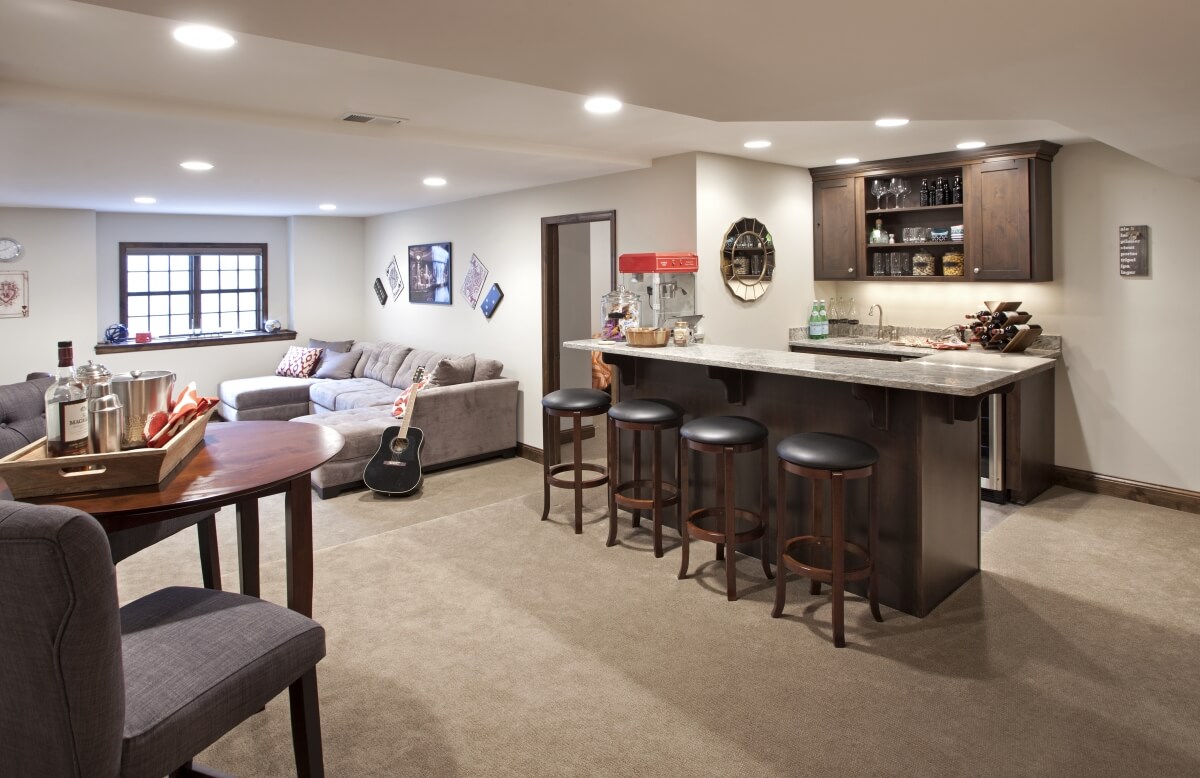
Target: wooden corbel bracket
[
  {"x": 734, "y": 381},
  {"x": 877, "y": 400}
]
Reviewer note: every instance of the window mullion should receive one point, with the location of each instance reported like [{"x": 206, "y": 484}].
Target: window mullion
[{"x": 195, "y": 296}]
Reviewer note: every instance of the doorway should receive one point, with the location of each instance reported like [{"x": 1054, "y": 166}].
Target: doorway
[{"x": 579, "y": 252}]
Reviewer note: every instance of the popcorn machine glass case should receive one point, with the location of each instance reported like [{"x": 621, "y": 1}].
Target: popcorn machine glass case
[{"x": 666, "y": 282}]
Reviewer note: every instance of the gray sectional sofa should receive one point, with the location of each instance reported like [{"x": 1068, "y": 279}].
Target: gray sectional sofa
[{"x": 462, "y": 422}]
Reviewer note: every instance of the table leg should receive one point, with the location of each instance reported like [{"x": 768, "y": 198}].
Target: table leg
[
  {"x": 300, "y": 545},
  {"x": 210, "y": 560},
  {"x": 247, "y": 535}
]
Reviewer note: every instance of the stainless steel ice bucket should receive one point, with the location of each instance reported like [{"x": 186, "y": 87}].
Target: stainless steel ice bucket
[{"x": 142, "y": 393}]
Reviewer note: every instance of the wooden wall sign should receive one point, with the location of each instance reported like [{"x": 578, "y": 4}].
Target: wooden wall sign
[{"x": 1135, "y": 250}]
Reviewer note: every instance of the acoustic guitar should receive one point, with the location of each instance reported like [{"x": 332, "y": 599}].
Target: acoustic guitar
[{"x": 395, "y": 469}]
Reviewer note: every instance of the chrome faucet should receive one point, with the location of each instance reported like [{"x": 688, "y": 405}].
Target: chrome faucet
[{"x": 878, "y": 329}]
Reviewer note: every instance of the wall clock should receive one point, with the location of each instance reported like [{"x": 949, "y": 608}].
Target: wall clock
[
  {"x": 748, "y": 259},
  {"x": 10, "y": 250}
]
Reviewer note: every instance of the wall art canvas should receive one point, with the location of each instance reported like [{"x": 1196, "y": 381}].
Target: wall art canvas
[
  {"x": 429, "y": 273},
  {"x": 14, "y": 294},
  {"x": 472, "y": 287},
  {"x": 394, "y": 279}
]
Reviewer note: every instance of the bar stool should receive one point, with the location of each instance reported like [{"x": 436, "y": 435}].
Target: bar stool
[
  {"x": 575, "y": 404},
  {"x": 726, "y": 436},
  {"x": 821, "y": 457},
  {"x": 638, "y": 416}
]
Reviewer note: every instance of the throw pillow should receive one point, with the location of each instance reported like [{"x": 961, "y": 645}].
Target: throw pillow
[
  {"x": 338, "y": 365},
  {"x": 449, "y": 372},
  {"x": 299, "y": 362},
  {"x": 487, "y": 369},
  {"x": 339, "y": 346},
  {"x": 400, "y": 406}
]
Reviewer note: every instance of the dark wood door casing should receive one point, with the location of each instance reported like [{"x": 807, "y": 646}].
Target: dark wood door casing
[{"x": 835, "y": 232}]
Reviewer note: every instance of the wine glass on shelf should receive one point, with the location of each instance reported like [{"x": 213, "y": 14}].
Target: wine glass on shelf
[
  {"x": 893, "y": 188},
  {"x": 902, "y": 188},
  {"x": 879, "y": 190}
]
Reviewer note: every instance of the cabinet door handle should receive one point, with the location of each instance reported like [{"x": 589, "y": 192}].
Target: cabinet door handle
[
  {"x": 849, "y": 270},
  {"x": 976, "y": 271}
]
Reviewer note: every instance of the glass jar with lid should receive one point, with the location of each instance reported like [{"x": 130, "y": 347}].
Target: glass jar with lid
[
  {"x": 619, "y": 310},
  {"x": 923, "y": 264},
  {"x": 952, "y": 263}
]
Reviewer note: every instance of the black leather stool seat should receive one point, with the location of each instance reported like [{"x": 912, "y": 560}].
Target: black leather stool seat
[
  {"x": 826, "y": 451},
  {"x": 724, "y": 431},
  {"x": 576, "y": 399},
  {"x": 646, "y": 411}
]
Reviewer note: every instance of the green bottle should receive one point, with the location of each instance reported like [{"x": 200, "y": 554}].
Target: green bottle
[
  {"x": 824, "y": 319},
  {"x": 814, "y": 322}
]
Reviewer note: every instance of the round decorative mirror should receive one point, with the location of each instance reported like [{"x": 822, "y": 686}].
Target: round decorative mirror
[{"x": 748, "y": 259}]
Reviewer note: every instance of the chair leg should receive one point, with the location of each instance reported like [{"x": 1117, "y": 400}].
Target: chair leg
[
  {"x": 637, "y": 472},
  {"x": 730, "y": 527},
  {"x": 210, "y": 556},
  {"x": 548, "y": 440},
  {"x": 577, "y": 440},
  {"x": 657, "y": 487},
  {"x": 765, "y": 513},
  {"x": 838, "y": 520},
  {"x": 306, "y": 726},
  {"x": 780, "y": 538},
  {"x": 818, "y": 497},
  {"x": 721, "y": 485},
  {"x": 873, "y": 545},
  {"x": 684, "y": 488},
  {"x": 614, "y": 478}
]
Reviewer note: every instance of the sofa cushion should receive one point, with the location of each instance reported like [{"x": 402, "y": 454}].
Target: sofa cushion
[
  {"x": 22, "y": 414},
  {"x": 352, "y": 393},
  {"x": 264, "y": 391},
  {"x": 340, "y": 346},
  {"x": 362, "y": 428},
  {"x": 487, "y": 369},
  {"x": 299, "y": 362},
  {"x": 381, "y": 361},
  {"x": 418, "y": 358},
  {"x": 338, "y": 365},
  {"x": 448, "y": 372}
]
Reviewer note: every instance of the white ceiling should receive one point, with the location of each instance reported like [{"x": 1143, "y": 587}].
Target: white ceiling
[{"x": 98, "y": 104}]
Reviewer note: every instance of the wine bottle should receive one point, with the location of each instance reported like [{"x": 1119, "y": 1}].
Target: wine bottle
[
  {"x": 925, "y": 193},
  {"x": 66, "y": 408},
  {"x": 939, "y": 193},
  {"x": 956, "y": 190}
]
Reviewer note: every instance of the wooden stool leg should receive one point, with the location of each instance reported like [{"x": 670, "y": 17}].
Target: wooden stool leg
[
  {"x": 721, "y": 485},
  {"x": 838, "y": 520},
  {"x": 730, "y": 526},
  {"x": 818, "y": 497},
  {"x": 548, "y": 440},
  {"x": 764, "y": 512},
  {"x": 656, "y": 475},
  {"x": 780, "y": 538},
  {"x": 614, "y": 478},
  {"x": 873, "y": 545},
  {"x": 684, "y": 489},
  {"x": 637, "y": 472},
  {"x": 577, "y": 435}
]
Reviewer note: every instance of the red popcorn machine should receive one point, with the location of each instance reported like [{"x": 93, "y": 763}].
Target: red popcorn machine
[{"x": 666, "y": 282}]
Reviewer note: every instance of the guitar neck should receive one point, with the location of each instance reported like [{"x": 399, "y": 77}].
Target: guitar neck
[{"x": 410, "y": 407}]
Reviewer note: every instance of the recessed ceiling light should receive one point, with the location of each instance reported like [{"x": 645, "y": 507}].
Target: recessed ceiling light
[
  {"x": 327, "y": 207},
  {"x": 434, "y": 181},
  {"x": 145, "y": 200},
  {"x": 846, "y": 161},
  {"x": 972, "y": 144},
  {"x": 757, "y": 144},
  {"x": 202, "y": 36},
  {"x": 196, "y": 165},
  {"x": 890, "y": 122},
  {"x": 603, "y": 105}
]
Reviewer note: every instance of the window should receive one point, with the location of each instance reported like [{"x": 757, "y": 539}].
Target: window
[{"x": 185, "y": 289}]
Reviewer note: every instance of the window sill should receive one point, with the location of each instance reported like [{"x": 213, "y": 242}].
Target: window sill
[{"x": 194, "y": 342}]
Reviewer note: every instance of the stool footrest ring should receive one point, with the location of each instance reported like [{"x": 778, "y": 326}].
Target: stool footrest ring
[
  {"x": 570, "y": 483},
  {"x": 670, "y": 495},
  {"x": 757, "y": 528},
  {"x": 824, "y": 574}
]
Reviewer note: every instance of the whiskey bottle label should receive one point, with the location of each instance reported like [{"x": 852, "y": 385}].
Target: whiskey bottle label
[{"x": 72, "y": 427}]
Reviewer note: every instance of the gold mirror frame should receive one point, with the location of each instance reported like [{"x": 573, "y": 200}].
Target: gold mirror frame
[{"x": 748, "y": 259}]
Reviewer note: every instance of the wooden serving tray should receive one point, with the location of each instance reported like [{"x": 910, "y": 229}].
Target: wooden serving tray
[{"x": 30, "y": 473}]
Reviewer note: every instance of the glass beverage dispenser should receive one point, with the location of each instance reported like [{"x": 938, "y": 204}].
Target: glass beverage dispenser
[{"x": 666, "y": 281}]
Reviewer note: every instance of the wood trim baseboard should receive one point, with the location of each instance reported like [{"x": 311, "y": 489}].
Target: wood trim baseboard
[
  {"x": 534, "y": 454},
  {"x": 1152, "y": 494}
]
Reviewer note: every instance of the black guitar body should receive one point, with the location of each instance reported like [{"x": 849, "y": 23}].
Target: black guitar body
[{"x": 395, "y": 469}]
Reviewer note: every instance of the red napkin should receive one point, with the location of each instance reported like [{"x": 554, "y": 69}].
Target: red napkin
[{"x": 161, "y": 427}]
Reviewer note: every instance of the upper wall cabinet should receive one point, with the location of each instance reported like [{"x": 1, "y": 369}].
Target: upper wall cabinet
[{"x": 958, "y": 217}]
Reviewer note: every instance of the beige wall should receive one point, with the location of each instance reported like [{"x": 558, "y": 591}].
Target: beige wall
[
  {"x": 1129, "y": 376},
  {"x": 325, "y": 273}
]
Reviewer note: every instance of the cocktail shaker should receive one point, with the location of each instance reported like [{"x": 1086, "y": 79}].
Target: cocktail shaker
[{"x": 106, "y": 413}]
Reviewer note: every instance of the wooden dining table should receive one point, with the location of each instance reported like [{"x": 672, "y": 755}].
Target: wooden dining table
[{"x": 238, "y": 463}]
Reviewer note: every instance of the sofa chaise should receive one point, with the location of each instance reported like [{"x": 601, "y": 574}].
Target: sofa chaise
[{"x": 468, "y": 413}]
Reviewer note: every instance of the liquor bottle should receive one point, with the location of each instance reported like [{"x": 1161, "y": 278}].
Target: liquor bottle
[
  {"x": 66, "y": 408},
  {"x": 824, "y": 319},
  {"x": 956, "y": 190},
  {"x": 814, "y": 322},
  {"x": 939, "y": 192},
  {"x": 925, "y": 193}
]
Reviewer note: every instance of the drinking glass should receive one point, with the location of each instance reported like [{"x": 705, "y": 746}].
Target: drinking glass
[
  {"x": 902, "y": 189},
  {"x": 894, "y": 264},
  {"x": 879, "y": 190},
  {"x": 879, "y": 264},
  {"x": 893, "y": 188}
]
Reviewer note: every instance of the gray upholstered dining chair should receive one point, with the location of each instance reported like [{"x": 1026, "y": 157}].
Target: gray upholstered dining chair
[{"x": 91, "y": 688}]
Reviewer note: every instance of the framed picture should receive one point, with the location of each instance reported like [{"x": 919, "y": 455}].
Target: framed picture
[
  {"x": 14, "y": 294},
  {"x": 473, "y": 283},
  {"x": 429, "y": 273},
  {"x": 394, "y": 279}
]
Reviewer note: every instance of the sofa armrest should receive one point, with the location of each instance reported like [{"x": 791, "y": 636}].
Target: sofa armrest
[{"x": 469, "y": 419}]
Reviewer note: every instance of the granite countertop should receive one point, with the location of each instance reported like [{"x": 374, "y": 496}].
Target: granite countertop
[
  {"x": 862, "y": 346},
  {"x": 959, "y": 373}
]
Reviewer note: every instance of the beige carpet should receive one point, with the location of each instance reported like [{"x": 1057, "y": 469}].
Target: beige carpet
[{"x": 487, "y": 643}]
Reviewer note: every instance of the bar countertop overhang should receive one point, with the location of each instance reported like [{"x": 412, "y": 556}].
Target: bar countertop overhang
[{"x": 959, "y": 373}]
